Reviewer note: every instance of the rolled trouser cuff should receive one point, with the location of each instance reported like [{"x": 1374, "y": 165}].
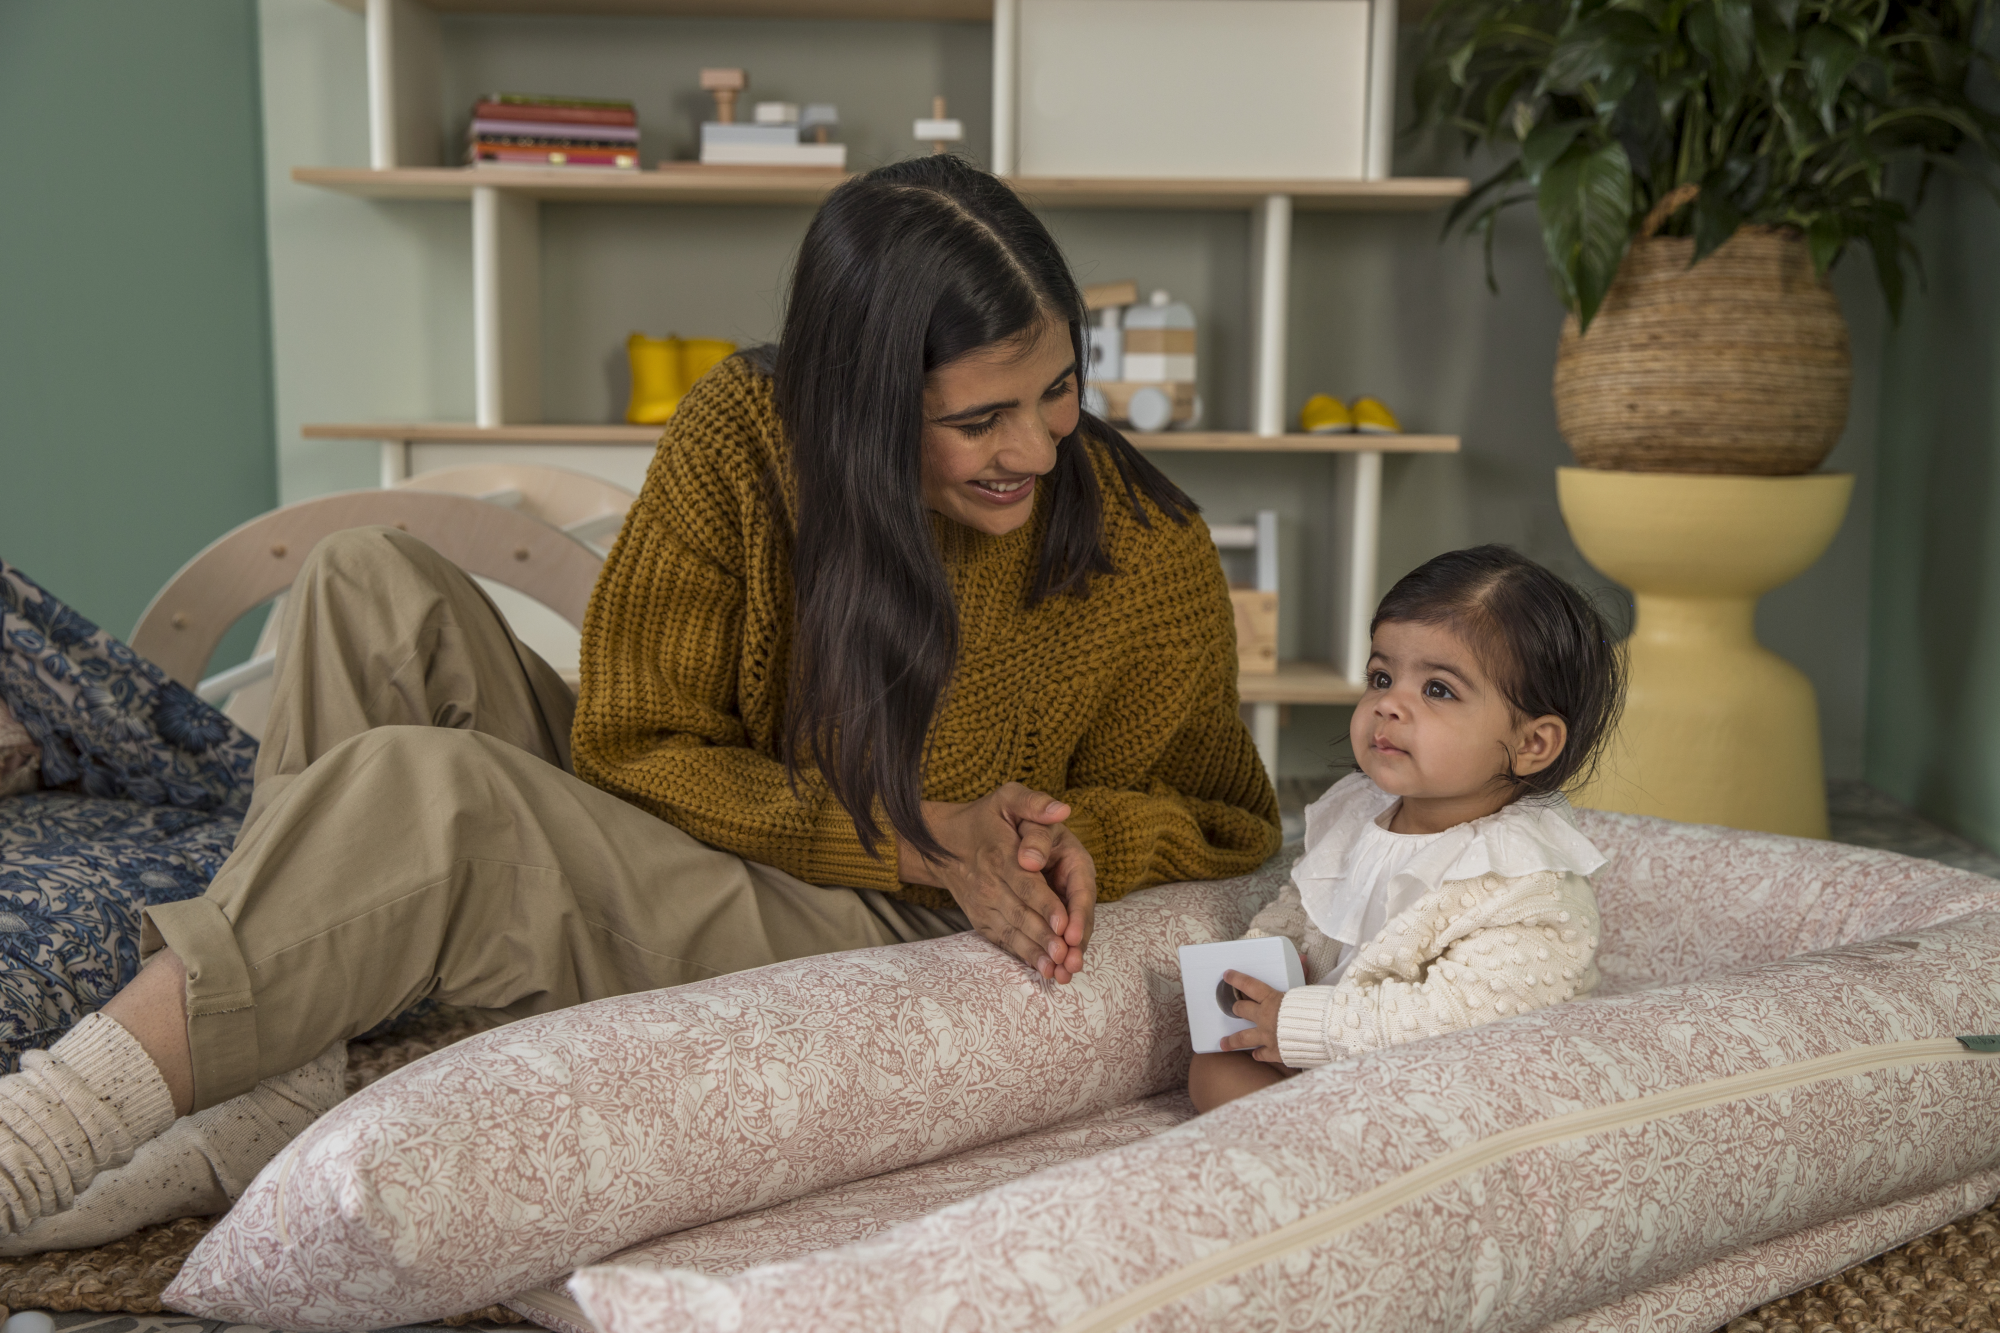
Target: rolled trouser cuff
[{"x": 221, "y": 1008}]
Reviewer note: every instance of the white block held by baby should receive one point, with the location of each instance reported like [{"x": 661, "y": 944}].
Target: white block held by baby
[{"x": 1211, "y": 1001}]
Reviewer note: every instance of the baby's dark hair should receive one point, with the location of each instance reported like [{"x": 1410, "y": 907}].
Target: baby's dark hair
[{"x": 1541, "y": 640}]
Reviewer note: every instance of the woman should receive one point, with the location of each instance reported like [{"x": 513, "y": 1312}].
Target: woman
[{"x": 895, "y": 642}]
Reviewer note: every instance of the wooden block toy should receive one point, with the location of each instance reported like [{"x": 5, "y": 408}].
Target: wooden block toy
[
  {"x": 1105, "y": 295},
  {"x": 725, "y": 84},
  {"x": 819, "y": 119},
  {"x": 1160, "y": 340},
  {"x": 1145, "y": 405},
  {"x": 1256, "y": 631},
  {"x": 775, "y": 113},
  {"x": 940, "y": 131}
]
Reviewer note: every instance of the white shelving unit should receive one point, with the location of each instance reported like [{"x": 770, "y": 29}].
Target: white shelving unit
[{"x": 404, "y": 54}]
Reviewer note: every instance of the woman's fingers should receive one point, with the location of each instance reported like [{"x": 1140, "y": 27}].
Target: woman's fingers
[
  {"x": 1038, "y": 845},
  {"x": 1020, "y": 804}
]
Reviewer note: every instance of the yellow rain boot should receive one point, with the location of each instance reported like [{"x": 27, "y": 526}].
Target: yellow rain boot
[
  {"x": 657, "y": 385},
  {"x": 1325, "y": 415},
  {"x": 1371, "y": 417},
  {"x": 701, "y": 355}
]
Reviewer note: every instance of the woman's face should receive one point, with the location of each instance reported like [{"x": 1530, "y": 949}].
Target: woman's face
[{"x": 992, "y": 420}]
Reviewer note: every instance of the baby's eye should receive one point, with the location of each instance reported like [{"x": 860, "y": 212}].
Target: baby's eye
[
  {"x": 1437, "y": 689},
  {"x": 1378, "y": 680}
]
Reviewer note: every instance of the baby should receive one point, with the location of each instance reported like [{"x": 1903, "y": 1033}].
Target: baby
[{"x": 1446, "y": 883}]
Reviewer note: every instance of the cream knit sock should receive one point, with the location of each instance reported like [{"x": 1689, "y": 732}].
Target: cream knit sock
[
  {"x": 199, "y": 1166},
  {"x": 80, "y": 1107}
]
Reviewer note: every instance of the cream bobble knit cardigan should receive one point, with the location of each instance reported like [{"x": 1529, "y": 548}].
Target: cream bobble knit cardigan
[{"x": 1469, "y": 951}]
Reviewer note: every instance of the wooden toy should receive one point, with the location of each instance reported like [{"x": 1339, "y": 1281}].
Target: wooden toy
[
  {"x": 819, "y": 119},
  {"x": 1256, "y": 603},
  {"x": 725, "y": 84},
  {"x": 1142, "y": 364},
  {"x": 1104, "y": 341},
  {"x": 773, "y": 138},
  {"x": 939, "y": 130}
]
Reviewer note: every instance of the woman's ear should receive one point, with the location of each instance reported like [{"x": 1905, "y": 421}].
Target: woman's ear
[{"x": 1538, "y": 744}]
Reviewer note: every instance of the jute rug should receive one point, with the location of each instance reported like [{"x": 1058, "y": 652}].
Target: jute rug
[{"x": 1946, "y": 1282}]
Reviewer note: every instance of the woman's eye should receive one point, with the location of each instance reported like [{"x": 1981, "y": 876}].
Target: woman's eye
[
  {"x": 1437, "y": 689},
  {"x": 1058, "y": 390},
  {"x": 978, "y": 428}
]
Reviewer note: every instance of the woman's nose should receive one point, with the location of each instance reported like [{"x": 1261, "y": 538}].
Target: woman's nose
[{"x": 1029, "y": 449}]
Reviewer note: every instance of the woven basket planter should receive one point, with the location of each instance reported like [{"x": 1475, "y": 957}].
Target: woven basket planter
[{"x": 1738, "y": 364}]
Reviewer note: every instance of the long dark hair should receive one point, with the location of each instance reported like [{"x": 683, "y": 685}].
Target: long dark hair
[
  {"x": 1539, "y": 637},
  {"x": 903, "y": 270}
]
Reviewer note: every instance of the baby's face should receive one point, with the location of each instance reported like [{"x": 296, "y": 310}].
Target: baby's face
[{"x": 1433, "y": 725}]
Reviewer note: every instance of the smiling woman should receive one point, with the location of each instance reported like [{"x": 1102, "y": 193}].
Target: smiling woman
[{"x": 895, "y": 642}]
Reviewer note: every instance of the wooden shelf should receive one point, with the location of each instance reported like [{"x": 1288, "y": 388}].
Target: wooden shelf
[
  {"x": 753, "y": 186},
  {"x": 1244, "y": 442},
  {"x": 1298, "y": 683},
  {"x": 448, "y": 432},
  {"x": 970, "y": 11}
]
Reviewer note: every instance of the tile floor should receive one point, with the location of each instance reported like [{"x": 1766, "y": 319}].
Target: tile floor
[{"x": 1860, "y": 815}]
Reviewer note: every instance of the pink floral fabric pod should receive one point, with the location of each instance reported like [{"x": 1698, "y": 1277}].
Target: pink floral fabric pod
[
  {"x": 500, "y": 1164},
  {"x": 1502, "y": 1177}
]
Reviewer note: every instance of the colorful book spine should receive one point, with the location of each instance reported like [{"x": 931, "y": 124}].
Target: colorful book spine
[
  {"x": 511, "y": 155},
  {"x": 573, "y": 110},
  {"x": 555, "y": 132},
  {"x": 519, "y": 130}
]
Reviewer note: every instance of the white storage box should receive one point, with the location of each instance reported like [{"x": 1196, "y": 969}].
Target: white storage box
[{"x": 1234, "y": 89}]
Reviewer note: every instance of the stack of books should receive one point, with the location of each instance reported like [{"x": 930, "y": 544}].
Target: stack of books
[{"x": 518, "y": 130}]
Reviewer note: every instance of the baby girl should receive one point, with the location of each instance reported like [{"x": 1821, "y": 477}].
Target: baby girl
[{"x": 1446, "y": 883}]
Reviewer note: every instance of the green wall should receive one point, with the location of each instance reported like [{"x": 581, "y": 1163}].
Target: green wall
[
  {"x": 1934, "y": 709},
  {"x": 135, "y": 365}
]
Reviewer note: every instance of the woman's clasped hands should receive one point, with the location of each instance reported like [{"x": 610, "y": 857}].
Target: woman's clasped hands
[{"x": 1023, "y": 879}]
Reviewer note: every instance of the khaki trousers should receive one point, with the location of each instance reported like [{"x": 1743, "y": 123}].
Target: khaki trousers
[{"x": 415, "y": 832}]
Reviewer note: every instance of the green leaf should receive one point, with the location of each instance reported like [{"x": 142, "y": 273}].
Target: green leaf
[
  {"x": 1715, "y": 217},
  {"x": 1546, "y": 144},
  {"x": 1736, "y": 29},
  {"x": 1830, "y": 55},
  {"x": 1776, "y": 45},
  {"x": 1826, "y": 239},
  {"x": 1886, "y": 245},
  {"x": 1586, "y": 206},
  {"x": 1599, "y": 47}
]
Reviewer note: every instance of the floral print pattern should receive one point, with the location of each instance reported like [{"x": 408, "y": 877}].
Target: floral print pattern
[
  {"x": 109, "y": 722},
  {"x": 152, "y": 786},
  {"x": 765, "y": 1139}
]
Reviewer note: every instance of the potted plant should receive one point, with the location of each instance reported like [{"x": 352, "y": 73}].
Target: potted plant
[{"x": 1698, "y": 166}]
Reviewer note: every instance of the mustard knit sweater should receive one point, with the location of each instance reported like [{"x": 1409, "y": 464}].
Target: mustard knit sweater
[{"x": 1122, "y": 703}]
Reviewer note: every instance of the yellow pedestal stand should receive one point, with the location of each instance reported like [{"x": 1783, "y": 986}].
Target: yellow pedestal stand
[{"x": 1717, "y": 729}]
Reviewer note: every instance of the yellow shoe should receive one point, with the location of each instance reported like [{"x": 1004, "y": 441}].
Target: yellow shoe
[
  {"x": 1372, "y": 418},
  {"x": 1325, "y": 415}
]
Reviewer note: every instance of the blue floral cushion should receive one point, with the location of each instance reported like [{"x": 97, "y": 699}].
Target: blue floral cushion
[{"x": 154, "y": 783}]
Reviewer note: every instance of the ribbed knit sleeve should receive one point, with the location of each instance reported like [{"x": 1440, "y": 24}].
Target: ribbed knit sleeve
[
  {"x": 684, "y": 658},
  {"x": 1201, "y": 809}
]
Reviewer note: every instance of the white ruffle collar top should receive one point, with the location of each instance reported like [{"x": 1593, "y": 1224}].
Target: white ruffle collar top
[{"x": 1356, "y": 876}]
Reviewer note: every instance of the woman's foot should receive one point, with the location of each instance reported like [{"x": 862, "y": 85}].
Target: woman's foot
[
  {"x": 198, "y": 1167},
  {"x": 81, "y": 1107}
]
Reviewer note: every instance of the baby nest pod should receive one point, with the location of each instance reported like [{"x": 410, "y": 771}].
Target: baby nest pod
[{"x": 1737, "y": 364}]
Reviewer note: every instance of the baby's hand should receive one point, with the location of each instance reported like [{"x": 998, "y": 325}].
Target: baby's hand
[{"x": 1259, "y": 1005}]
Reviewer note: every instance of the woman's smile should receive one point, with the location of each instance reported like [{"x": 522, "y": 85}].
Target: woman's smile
[{"x": 1004, "y": 492}]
